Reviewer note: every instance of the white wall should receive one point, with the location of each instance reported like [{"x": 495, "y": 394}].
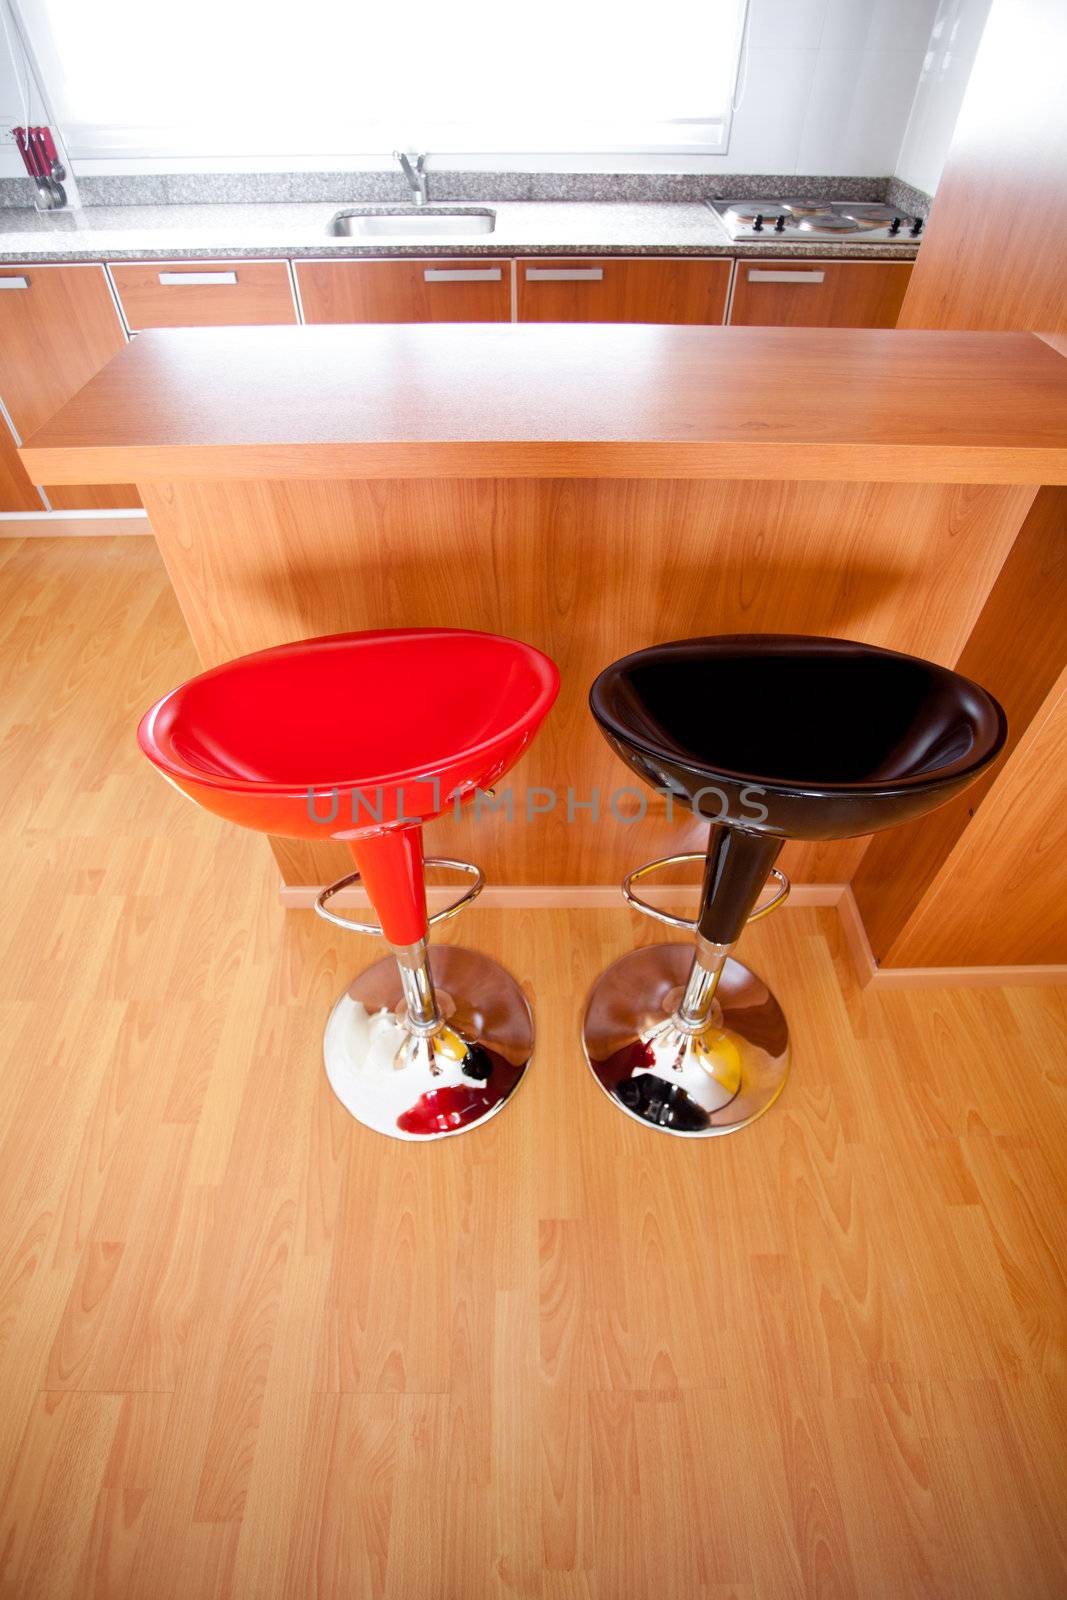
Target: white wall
[
  {"x": 954, "y": 41},
  {"x": 830, "y": 85}
]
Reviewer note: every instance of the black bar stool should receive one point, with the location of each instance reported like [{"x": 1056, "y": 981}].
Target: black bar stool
[{"x": 770, "y": 737}]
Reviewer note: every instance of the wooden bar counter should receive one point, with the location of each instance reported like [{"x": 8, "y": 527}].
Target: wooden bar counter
[{"x": 589, "y": 488}]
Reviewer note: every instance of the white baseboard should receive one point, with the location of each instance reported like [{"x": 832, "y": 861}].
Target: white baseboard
[
  {"x": 71, "y": 524},
  {"x": 608, "y": 896}
]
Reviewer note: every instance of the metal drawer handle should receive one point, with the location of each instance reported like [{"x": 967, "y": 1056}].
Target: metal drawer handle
[
  {"x": 684, "y": 922},
  {"x": 564, "y": 274},
  {"x": 439, "y": 916},
  {"x": 762, "y": 275},
  {"x": 168, "y": 279},
  {"x": 461, "y": 274},
  {"x": 14, "y": 283}
]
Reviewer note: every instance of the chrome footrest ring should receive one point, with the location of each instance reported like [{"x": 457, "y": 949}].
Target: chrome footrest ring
[
  {"x": 372, "y": 928},
  {"x": 688, "y": 924}
]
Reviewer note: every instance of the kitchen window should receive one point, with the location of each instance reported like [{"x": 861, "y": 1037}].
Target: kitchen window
[{"x": 137, "y": 78}]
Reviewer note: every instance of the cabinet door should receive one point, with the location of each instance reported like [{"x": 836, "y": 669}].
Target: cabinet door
[
  {"x": 58, "y": 327},
  {"x": 613, "y": 289},
  {"x": 819, "y": 294},
  {"x": 471, "y": 290},
  {"x": 203, "y": 294}
]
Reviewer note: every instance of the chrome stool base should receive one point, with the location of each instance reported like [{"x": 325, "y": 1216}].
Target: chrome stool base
[
  {"x": 412, "y": 1084},
  {"x": 692, "y": 1084}
]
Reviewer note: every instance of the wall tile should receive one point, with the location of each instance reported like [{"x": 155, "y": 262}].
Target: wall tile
[
  {"x": 858, "y": 106},
  {"x": 786, "y": 24},
  {"x": 877, "y": 24},
  {"x": 768, "y": 124},
  {"x": 946, "y": 71}
]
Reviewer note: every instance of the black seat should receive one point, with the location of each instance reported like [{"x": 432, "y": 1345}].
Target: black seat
[{"x": 839, "y": 738}]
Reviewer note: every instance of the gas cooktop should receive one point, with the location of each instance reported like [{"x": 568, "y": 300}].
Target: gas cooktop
[{"x": 846, "y": 221}]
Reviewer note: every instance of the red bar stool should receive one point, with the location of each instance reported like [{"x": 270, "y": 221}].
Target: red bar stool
[{"x": 363, "y": 737}]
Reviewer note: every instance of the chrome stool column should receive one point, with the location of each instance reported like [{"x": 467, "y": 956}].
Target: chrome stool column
[
  {"x": 685, "y": 1038},
  {"x": 432, "y": 1039}
]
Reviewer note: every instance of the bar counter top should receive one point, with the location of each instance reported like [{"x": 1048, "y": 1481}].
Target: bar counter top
[{"x": 574, "y": 401}]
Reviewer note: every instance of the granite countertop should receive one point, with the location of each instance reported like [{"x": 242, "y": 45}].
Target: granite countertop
[{"x": 220, "y": 231}]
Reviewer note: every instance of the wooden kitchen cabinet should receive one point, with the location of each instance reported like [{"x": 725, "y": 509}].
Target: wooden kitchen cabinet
[
  {"x": 819, "y": 294},
  {"x": 622, "y": 289},
  {"x": 203, "y": 294},
  {"x": 58, "y": 327},
  {"x": 470, "y": 289}
]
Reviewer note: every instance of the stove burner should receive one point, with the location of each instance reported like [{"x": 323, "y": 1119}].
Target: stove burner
[
  {"x": 872, "y": 215},
  {"x": 831, "y": 222},
  {"x": 807, "y": 208},
  {"x": 748, "y": 214},
  {"x": 869, "y": 222}
]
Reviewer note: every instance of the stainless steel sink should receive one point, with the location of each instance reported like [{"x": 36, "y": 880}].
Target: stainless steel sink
[{"x": 412, "y": 222}]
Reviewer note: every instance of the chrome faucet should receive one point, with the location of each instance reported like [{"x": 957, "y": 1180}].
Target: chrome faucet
[{"x": 415, "y": 175}]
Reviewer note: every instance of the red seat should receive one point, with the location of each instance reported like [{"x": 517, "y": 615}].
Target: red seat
[{"x": 355, "y": 736}]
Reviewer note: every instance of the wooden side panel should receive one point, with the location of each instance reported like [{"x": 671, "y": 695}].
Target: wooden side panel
[
  {"x": 819, "y": 294},
  {"x": 16, "y": 491},
  {"x": 262, "y": 293},
  {"x": 405, "y": 291},
  {"x": 56, "y": 334},
  {"x": 586, "y": 571},
  {"x": 1017, "y": 650},
  {"x": 983, "y": 881},
  {"x": 666, "y": 290},
  {"x": 993, "y": 253},
  {"x": 1012, "y": 859}
]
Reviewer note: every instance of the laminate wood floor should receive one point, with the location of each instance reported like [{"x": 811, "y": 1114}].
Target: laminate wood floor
[{"x": 248, "y": 1349}]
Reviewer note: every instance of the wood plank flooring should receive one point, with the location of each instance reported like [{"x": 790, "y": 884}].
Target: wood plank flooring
[{"x": 250, "y": 1350}]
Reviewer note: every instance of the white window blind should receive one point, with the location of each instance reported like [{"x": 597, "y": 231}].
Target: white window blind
[{"x": 211, "y": 77}]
